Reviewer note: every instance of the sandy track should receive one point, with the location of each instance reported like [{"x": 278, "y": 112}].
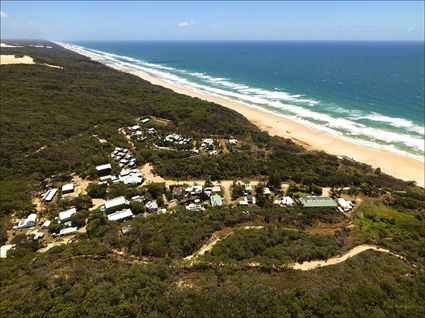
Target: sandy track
[{"x": 306, "y": 266}]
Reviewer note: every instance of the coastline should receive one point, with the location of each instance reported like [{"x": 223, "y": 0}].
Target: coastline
[{"x": 393, "y": 164}]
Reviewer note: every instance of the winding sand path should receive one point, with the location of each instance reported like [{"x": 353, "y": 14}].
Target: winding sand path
[
  {"x": 306, "y": 266},
  {"x": 217, "y": 237}
]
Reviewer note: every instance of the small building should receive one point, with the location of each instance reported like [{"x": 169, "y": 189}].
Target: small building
[
  {"x": 4, "y": 249},
  {"x": 233, "y": 142},
  {"x": 37, "y": 234},
  {"x": 318, "y": 202},
  {"x": 151, "y": 206},
  {"x": 104, "y": 170},
  {"x": 49, "y": 195},
  {"x": 145, "y": 120},
  {"x": 65, "y": 216},
  {"x": 208, "y": 141},
  {"x": 345, "y": 205},
  {"x": 45, "y": 224},
  {"x": 116, "y": 202},
  {"x": 29, "y": 221},
  {"x": 250, "y": 199},
  {"x": 134, "y": 128},
  {"x": 248, "y": 187},
  {"x": 216, "y": 200},
  {"x": 68, "y": 231},
  {"x": 216, "y": 189},
  {"x": 68, "y": 188},
  {"x": 120, "y": 215},
  {"x": 151, "y": 131},
  {"x": 195, "y": 207},
  {"x": 266, "y": 191},
  {"x": 287, "y": 201}
]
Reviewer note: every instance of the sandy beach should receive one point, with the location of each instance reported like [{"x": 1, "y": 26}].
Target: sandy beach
[{"x": 396, "y": 165}]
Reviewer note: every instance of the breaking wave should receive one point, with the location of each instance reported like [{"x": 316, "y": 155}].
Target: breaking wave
[{"x": 397, "y": 135}]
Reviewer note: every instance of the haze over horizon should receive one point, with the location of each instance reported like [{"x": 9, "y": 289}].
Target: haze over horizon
[{"x": 305, "y": 21}]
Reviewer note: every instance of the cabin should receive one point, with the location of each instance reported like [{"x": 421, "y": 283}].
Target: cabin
[
  {"x": 266, "y": 191},
  {"x": 233, "y": 142},
  {"x": 151, "y": 206},
  {"x": 29, "y": 221},
  {"x": 216, "y": 200},
  {"x": 49, "y": 195},
  {"x": 344, "y": 205},
  {"x": 318, "y": 202},
  {"x": 116, "y": 202},
  {"x": 68, "y": 231},
  {"x": 120, "y": 215},
  {"x": 68, "y": 188},
  {"x": 287, "y": 201},
  {"x": 195, "y": 207},
  {"x": 45, "y": 224},
  {"x": 4, "y": 249},
  {"x": 65, "y": 216},
  {"x": 104, "y": 170}
]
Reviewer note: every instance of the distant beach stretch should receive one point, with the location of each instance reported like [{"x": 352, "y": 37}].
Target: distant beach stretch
[{"x": 396, "y": 163}]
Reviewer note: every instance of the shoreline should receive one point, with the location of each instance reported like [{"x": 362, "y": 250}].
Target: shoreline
[{"x": 401, "y": 167}]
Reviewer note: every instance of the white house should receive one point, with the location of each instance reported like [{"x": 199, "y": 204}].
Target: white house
[
  {"x": 287, "y": 201},
  {"x": 46, "y": 224},
  {"x": 65, "y": 216},
  {"x": 49, "y": 195},
  {"x": 68, "y": 188},
  {"x": 345, "y": 205},
  {"x": 233, "y": 142},
  {"x": 266, "y": 191},
  {"x": 195, "y": 207},
  {"x": 120, "y": 215},
  {"x": 116, "y": 202},
  {"x": 67, "y": 231},
  {"x": 29, "y": 221},
  {"x": 104, "y": 169}
]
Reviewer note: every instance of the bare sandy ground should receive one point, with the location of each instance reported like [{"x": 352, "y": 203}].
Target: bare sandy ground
[
  {"x": 306, "y": 266},
  {"x": 396, "y": 165},
  {"x": 8, "y": 45},
  {"x": 26, "y": 59}
]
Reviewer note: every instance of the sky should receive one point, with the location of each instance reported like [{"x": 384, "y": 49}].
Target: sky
[{"x": 202, "y": 20}]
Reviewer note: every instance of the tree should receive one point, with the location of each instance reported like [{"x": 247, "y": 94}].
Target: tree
[
  {"x": 96, "y": 190},
  {"x": 155, "y": 189},
  {"x": 55, "y": 227}
]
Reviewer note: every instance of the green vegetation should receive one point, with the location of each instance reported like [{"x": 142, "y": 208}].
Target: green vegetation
[
  {"x": 276, "y": 246},
  {"x": 48, "y": 126}
]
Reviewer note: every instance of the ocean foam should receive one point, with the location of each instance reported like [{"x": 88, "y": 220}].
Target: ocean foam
[{"x": 279, "y": 103}]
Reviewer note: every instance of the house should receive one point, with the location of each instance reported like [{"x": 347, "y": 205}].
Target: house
[
  {"x": 145, "y": 120},
  {"x": 248, "y": 188},
  {"x": 37, "y": 234},
  {"x": 195, "y": 207},
  {"x": 121, "y": 215},
  {"x": 212, "y": 152},
  {"x": 68, "y": 231},
  {"x": 151, "y": 206},
  {"x": 233, "y": 142},
  {"x": 29, "y": 221},
  {"x": 208, "y": 141},
  {"x": 134, "y": 128},
  {"x": 46, "y": 224},
  {"x": 4, "y": 249},
  {"x": 162, "y": 211},
  {"x": 49, "y": 195},
  {"x": 250, "y": 199},
  {"x": 65, "y": 216},
  {"x": 317, "y": 202},
  {"x": 243, "y": 202},
  {"x": 216, "y": 200},
  {"x": 287, "y": 201},
  {"x": 345, "y": 205},
  {"x": 151, "y": 131},
  {"x": 116, "y": 202},
  {"x": 68, "y": 188},
  {"x": 104, "y": 170},
  {"x": 266, "y": 191},
  {"x": 216, "y": 189}
]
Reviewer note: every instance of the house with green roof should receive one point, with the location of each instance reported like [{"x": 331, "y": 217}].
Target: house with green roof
[
  {"x": 216, "y": 200},
  {"x": 318, "y": 202}
]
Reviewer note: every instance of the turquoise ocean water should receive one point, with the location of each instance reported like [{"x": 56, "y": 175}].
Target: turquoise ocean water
[{"x": 365, "y": 92}]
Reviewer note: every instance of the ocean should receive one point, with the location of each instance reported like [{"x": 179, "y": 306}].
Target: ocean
[{"x": 370, "y": 93}]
